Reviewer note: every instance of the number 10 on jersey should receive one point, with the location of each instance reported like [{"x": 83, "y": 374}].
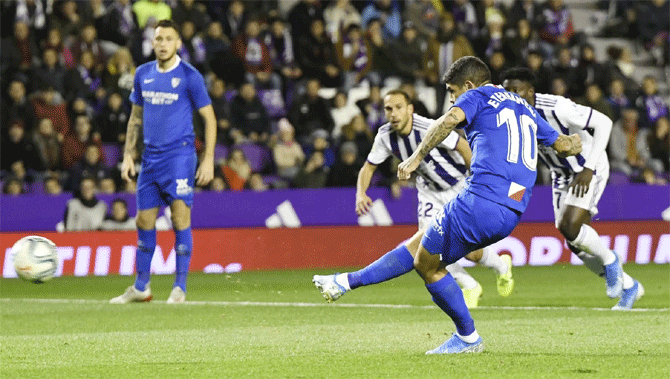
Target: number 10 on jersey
[{"x": 521, "y": 132}]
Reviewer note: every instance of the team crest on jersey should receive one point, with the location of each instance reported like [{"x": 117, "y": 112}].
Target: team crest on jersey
[
  {"x": 175, "y": 82},
  {"x": 183, "y": 188}
]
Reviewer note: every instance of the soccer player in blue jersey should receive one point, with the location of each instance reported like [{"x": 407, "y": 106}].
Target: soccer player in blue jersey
[
  {"x": 440, "y": 178},
  {"x": 578, "y": 182},
  {"x": 502, "y": 130},
  {"x": 165, "y": 94}
]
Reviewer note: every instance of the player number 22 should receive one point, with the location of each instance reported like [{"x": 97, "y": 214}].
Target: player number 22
[{"x": 521, "y": 132}]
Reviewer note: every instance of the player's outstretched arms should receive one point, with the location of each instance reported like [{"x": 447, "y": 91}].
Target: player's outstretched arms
[
  {"x": 567, "y": 146},
  {"x": 132, "y": 134}
]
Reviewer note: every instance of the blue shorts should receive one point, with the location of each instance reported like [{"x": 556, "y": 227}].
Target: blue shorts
[
  {"x": 166, "y": 177},
  {"x": 467, "y": 223}
]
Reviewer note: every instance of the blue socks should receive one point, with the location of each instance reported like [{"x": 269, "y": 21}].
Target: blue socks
[
  {"x": 396, "y": 262},
  {"x": 449, "y": 297},
  {"x": 146, "y": 245},
  {"x": 183, "y": 245}
]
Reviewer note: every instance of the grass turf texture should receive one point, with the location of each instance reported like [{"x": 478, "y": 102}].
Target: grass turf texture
[{"x": 235, "y": 329}]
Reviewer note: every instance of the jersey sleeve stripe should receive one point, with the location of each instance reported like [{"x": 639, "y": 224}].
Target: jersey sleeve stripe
[
  {"x": 563, "y": 128},
  {"x": 588, "y": 119}
]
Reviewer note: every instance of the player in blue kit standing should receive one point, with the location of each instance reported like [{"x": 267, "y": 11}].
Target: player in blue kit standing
[
  {"x": 165, "y": 94},
  {"x": 503, "y": 131}
]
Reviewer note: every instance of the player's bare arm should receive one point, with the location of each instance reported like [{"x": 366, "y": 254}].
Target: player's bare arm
[
  {"x": 363, "y": 201},
  {"x": 132, "y": 134},
  {"x": 205, "y": 172},
  {"x": 602, "y": 128},
  {"x": 437, "y": 132},
  {"x": 567, "y": 146},
  {"x": 463, "y": 148}
]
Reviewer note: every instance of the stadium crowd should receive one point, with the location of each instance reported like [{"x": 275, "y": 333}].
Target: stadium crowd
[{"x": 298, "y": 94}]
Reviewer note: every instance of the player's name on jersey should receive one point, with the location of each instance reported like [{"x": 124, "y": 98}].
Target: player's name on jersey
[
  {"x": 498, "y": 97},
  {"x": 160, "y": 98}
]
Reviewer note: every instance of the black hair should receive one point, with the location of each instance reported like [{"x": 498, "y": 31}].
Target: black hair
[
  {"x": 467, "y": 68},
  {"x": 168, "y": 24},
  {"x": 518, "y": 73}
]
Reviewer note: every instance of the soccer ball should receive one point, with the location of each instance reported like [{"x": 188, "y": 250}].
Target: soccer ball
[{"x": 35, "y": 259}]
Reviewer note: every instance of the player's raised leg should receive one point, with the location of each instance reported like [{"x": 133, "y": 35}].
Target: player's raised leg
[
  {"x": 181, "y": 221},
  {"x": 472, "y": 290}
]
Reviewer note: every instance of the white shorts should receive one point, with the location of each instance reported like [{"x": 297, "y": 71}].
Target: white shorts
[
  {"x": 431, "y": 201},
  {"x": 562, "y": 197}
]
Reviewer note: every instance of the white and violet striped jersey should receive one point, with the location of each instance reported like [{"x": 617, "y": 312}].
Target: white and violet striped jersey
[
  {"x": 567, "y": 117},
  {"x": 441, "y": 169}
]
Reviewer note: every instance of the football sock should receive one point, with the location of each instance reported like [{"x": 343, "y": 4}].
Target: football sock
[
  {"x": 589, "y": 241},
  {"x": 183, "y": 245},
  {"x": 461, "y": 276},
  {"x": 146, "y": 245},
  {"x": 596, "y": 265},
  {"x": 396, "y": 262},
  {"x": 492, "y": 260},
  {"x": 449, "y": 297}
]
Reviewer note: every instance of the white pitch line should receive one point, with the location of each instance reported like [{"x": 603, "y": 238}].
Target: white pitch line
[{"x": 338, "y": 305}]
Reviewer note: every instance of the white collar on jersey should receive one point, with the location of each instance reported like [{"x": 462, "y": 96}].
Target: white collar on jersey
[{"x": 176, "y": 63}]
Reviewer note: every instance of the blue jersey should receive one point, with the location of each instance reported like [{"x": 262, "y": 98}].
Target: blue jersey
[
  {"x": 503, "y": 130},
  {"x": 169, "y": 99}
]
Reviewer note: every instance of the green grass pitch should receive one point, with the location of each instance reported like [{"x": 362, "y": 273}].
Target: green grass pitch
[{"x": 557, "y": 324}]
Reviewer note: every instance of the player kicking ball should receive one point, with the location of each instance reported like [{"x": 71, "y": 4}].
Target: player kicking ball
[
  {"x": 578, "y": 182},
  {"x": 165, "y": 94},
  {"x": 440, "y": 177}
]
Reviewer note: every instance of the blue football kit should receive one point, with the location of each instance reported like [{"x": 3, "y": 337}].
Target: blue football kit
[
  {"x": 502, "y": 130},
  {"x": 169, "y": 161}
]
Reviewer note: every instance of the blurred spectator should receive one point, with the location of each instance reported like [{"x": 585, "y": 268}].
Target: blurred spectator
[
  {"x": 13, "y": 187},
  {"x": 617, "y": 98},
  {"x": 193, "y": 47},
  {"x": 280, "y": 46},
  {"x": 563, "y": 67},
  {"x": 497, "y": 64},
  {"x": 588, "y": 71},
  {"x": 55, "y": 41},
  {"x": 17, "y": 107},
  {"x": 67, "y": 18},
  {"x": 419, "y": 107},
  {"x": 50, "y": 73},
  {"x": 535, "y": 63},
  {"x": 343, "y": 113},
  {"x": 19, "y": 52},
  {"x": 119, "y": 73},
  {"x": 256, "y": 183},
  {"x": 465, "y": 16},
  {"x": 344, "y": 172},
  {"x": 220, "y": 57},
  {"x": 313, "y": 173},
  {"x": 118, "y": 23},
  {"x": 250, "y": 49},
  {"x": 373, "y": 108},
  {"x": 489, "y": 13},
  {"x": 52, "y": 186},
  {"x": 47, "y": 145},
  {"x": 287, "y": 153},
  {"x": 527, "y": 10},
  {"x": 310, "y": 112},
  {"x": 359, "y": 133},
  {"x": 235, "y": 20},
  {"x": 151, "y": 9},
  {"x": 19, "y": 171},
  {"x": 218, "y": 184},
  {"x": 557, "y": 28},
  {"x": 650, "y": 104},
  {"x": 388, "y": 12},
  {"x": 316, "y": 56},
  {"x": 90, "y": 166},
  {"x": 339, "y": 15},
  {"x": 559, "y": 87},
  {"x": 593, "y": 98},
  {"x": 217, "y": 90},
  {"x": 620, "y": 66},
  {"x": 107, "y": 185},
  {"x": 18, "y": 148},
  {"x": 491, "y": 37},
  {"x": 118, "y": 219},
  {"x": 319, "y": 141},
  {"x": 353, "y": 55},
  {"x": 189, "y": 10},
  {"x": 654, "y": 26},
  {"x": 425, "y": 14},
  {"x": 113, "y": 120},
  {"x": 249, "y": 116},
  {"x": 626, "y": 146},
  {"x": 34, "y": 14},
  {"x": 448, "y": 46},
  {"x": 301, "y": 16},
  {"x": 215, "y": 41},
  {"x": 621, "y": 18},
  {"x": 409, "y": 56},
  {"x": 659, "y": 145},
  {"x": 517, "y": 46},
  {"x": 74, "y": 144},
  {"x": 381, "y": 54},
  {"x": 84, "y": 80},
  {"x": 50, "y": 104},
  {"x": 85, "y": 212},
  {"x": 88, "y": 41},
  {"x": 236, "y": 170}
]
